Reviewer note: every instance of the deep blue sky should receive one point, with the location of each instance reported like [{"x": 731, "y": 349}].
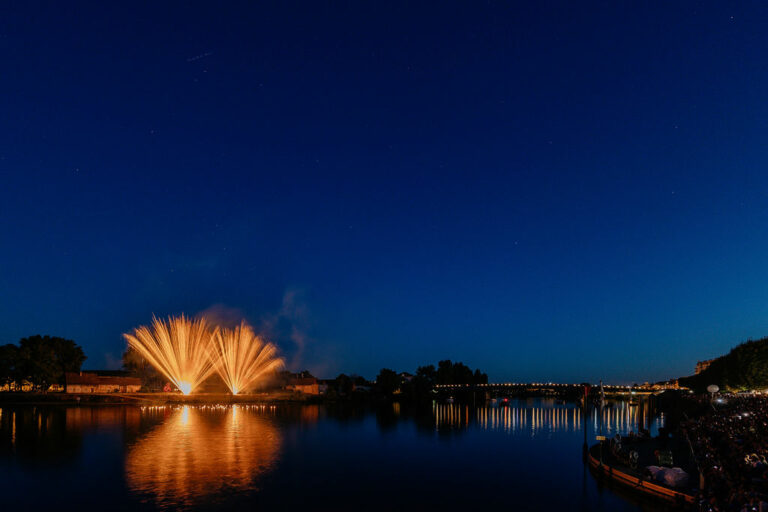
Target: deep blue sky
[{"x": 549, "y": 191}]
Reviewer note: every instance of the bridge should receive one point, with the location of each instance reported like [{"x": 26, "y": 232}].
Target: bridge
[{"x": 555, "y": 387}]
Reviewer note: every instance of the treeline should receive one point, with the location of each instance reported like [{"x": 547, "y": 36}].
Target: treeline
[
  {"x": 39, "y": 361},
  {"x": 421, "y": 385},
  {"x": 744, "y": 367},
  {"x": 388, "y": 384}
]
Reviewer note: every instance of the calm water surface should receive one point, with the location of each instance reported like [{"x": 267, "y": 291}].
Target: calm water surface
[{"x": 527, "y": 456}]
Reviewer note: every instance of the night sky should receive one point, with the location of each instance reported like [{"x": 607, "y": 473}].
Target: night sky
[{"x": 547, "y": 191}]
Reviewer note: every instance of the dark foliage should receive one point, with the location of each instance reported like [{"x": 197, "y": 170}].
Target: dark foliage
[
  {"x": 420, "y": 387},
  {"x": 387, "y": 381},
  {"x": 40, "y": 360},
  {"x": 343, "y": 384},
  {"x": 458, "y": 373},
  {"x": 151, "y": 379},
  {"x": 744, "y": 367},
  {"x": 9, "y": 365}
]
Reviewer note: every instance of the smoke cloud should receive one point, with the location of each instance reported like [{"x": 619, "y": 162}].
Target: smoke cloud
[
  {"x": 223, "y": 316},
  {"x": 289, "y": 328}
]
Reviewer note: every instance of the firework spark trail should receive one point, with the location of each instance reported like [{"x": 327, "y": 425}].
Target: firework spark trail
[
  {"x": 242, "y": 358},
  {"x": 179, "y": 348}
]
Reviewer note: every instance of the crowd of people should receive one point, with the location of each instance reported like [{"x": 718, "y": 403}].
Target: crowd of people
[{"x": 730, "y": 442}]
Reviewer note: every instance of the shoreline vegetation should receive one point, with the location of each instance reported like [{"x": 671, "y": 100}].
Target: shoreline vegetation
[
  {"x": 743, "y": 368},
  {"x": 48, "y": 369},
  {"x": 40, "y": 363}
]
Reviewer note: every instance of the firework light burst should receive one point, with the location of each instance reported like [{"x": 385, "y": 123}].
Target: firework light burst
[
  {"x": 179, "y": 348},
  {"x": 242, "y": 358}
]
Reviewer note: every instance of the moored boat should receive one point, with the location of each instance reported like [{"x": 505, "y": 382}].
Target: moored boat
[{"x": 636, "y": 480}]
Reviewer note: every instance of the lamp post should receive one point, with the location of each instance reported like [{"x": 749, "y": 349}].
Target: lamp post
[{"x": 713, "y": 388}]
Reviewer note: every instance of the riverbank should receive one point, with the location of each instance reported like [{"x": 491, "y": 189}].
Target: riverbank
[{"x": 11, "y": 398}]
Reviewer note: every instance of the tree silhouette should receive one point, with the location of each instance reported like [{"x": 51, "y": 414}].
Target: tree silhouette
[
  {"x": 43, "y": 360},
  {"x": 744, "y": 367},
  {"x": 387, "y": 382}
]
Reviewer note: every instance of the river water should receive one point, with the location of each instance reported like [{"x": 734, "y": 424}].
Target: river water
[{"x": 524, "y": 456}]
